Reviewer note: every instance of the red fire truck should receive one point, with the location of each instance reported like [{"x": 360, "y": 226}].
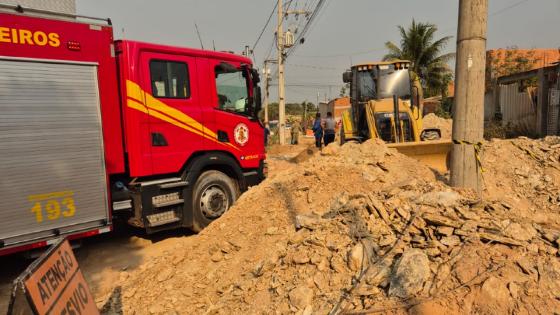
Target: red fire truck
[{"x": 90, "y": 127}]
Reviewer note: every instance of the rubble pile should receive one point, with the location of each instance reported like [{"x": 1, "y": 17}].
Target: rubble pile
[
  {"x": 362, "y": 228},
  {"x": 445, "y": 125},
  {"x": 525, "y": 175}
]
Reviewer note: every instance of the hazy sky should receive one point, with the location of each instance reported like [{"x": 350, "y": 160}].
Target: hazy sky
[{"x": 346, "y": 31}]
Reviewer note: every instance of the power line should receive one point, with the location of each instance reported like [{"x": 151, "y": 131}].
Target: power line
[
  {"x": 492, "y": 14},
  {"x": 342, "y": 54},
  {"x": 508, "y": 7},
  {"x": 314, "y": 14},
  {"x": 265, "y": 25},
  {"x": 312, "y": 67}
]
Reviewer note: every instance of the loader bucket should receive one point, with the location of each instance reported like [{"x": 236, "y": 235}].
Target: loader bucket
[{"x": 431, "y": 153}]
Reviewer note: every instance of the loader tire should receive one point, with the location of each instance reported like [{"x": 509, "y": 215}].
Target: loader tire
[
  {"x": 213, "y": 194},
  {"x": 342, "y": 139}
]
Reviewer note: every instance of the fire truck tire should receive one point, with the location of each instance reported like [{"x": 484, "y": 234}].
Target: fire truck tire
[{"x": 213, "y": 194}]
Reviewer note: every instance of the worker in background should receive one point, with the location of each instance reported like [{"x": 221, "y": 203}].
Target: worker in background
[
  {"x": 266, "y": 134},
  {"x": 295, "y": 131},
  {"x": 318, "y": 130},
  {"x": 330, "y": 125}
]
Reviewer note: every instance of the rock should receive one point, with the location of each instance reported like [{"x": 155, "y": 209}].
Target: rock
[
  {"x": 526, "y": 266},
  {"x": 177, "y": 260},
  {"x": 533, "y": 248},
  {"x": 259, "y": 269},
  {"x": 308, "y": 310},
  {"x": 403, "y": 213},
  {"x": 300, "y": 257},
  {"x": 379, "y": 273},
  {"x": 409, "y": 274},
  {"x": 387, "y": 240},
  {"x": 308, "y": 222},
  {"x": 500, "y": 239},
  {"x": 513, "y": 290},
  {"x": 428, "y": 308},
  {"x": 321, "y": 282},
  {"x": 433, "y": 251},
  {"x": 338, "y": 265},
  {"x": 520, "y": 232},
  {"x": 496, "y": 290},
  {"x": 451, "y": 241},
  {"x": 445, "y": 230},
  {"x": 448, "y": 198},
  {"x": 273, "y": 230},
  {"x": 369, "y": 177},
  {"x": 440, "y": 220},
  {"x": 156, "y": 309},
  {"x": 165, "y": 274},
  {"x": 368, "y": 291},
  {"x": 216, "y": 257},
  {"x": 301, "y": 297},
  {"x": 356, "y": 258}
]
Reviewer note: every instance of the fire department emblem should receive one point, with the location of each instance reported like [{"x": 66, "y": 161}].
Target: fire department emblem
[{"x": 241, "y": 134}]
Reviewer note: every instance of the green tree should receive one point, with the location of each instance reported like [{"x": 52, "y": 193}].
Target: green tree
[{"x": 419, "y": 45}]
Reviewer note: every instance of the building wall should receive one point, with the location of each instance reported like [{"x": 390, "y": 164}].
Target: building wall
[
  {"x": 518, "y": 109},
  {"x": 64, "y": 6},
  {"x": 489, "y": 107}
]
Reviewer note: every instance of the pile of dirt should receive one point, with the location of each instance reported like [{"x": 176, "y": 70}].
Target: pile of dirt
[
  {"x": 524, "y": 174},
  {"x": 445, "y": 125},
  {"x": 363, "y": 228}
]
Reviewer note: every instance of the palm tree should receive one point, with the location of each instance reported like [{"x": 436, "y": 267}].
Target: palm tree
[{"x": 418, "y": 45}]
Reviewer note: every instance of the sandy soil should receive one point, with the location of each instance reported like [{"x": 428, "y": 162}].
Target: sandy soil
[
  {"x": 350, "y": 229},
  {"x": 103, "y": 258}
]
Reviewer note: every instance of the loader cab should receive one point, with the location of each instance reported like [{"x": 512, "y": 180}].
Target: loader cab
[
  {"x": 379, "y": 80},
  {"x": 381, "y": 83}
]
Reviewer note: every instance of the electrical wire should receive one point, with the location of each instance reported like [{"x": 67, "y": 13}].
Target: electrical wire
[
  {"x": 265, "y": 25},
  {"x": 312, "y": 17},
  {"x": 508, "y": 8}
]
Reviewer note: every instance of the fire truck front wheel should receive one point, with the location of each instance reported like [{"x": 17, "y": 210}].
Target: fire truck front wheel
[{"x": 214, "y": 193}]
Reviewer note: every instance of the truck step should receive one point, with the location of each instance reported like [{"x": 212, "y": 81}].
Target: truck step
[
  {"x": 174, "y": 185},
  {"x": 166, "y": 200},
  {"x": 162, "y": 218},
  {"x": 161, "y": 204},
  {"x": 122, "y": 205}
]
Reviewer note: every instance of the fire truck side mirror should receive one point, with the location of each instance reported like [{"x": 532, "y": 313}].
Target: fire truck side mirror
[
  {"x": 258, "y": 102},
  {"x": 347, "y": 77}
]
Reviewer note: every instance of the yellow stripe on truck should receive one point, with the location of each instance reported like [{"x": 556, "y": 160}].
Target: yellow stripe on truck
[{"x": 146, "y": 103}]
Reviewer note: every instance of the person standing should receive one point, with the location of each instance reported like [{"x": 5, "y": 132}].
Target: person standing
[
  {"x": 318, "y": 130},
  {"x": 266, "y": 134},
  {"x": 330, "y": 125},
  {"x": 295, "y": 131}
]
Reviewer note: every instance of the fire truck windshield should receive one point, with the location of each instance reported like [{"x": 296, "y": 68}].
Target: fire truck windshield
[{"x": 232, "y": 88}]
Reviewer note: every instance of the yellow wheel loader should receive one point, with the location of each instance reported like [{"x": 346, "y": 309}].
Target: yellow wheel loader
[{"x": 387, "y": 106}]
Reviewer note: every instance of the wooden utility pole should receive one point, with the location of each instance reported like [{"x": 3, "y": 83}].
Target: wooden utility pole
[
  {"x": 468, "y": 109},
  {"x": 281, "y": 92}
]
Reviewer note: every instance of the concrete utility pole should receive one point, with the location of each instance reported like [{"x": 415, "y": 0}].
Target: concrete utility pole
[
  {"x": 281, "y": 92},
  {"x": 468, "y": 110},
  {"x": 266, "y": 73}
]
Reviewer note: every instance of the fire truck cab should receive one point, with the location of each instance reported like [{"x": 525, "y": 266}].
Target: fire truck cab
[{"x": 166, "y": 137}]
